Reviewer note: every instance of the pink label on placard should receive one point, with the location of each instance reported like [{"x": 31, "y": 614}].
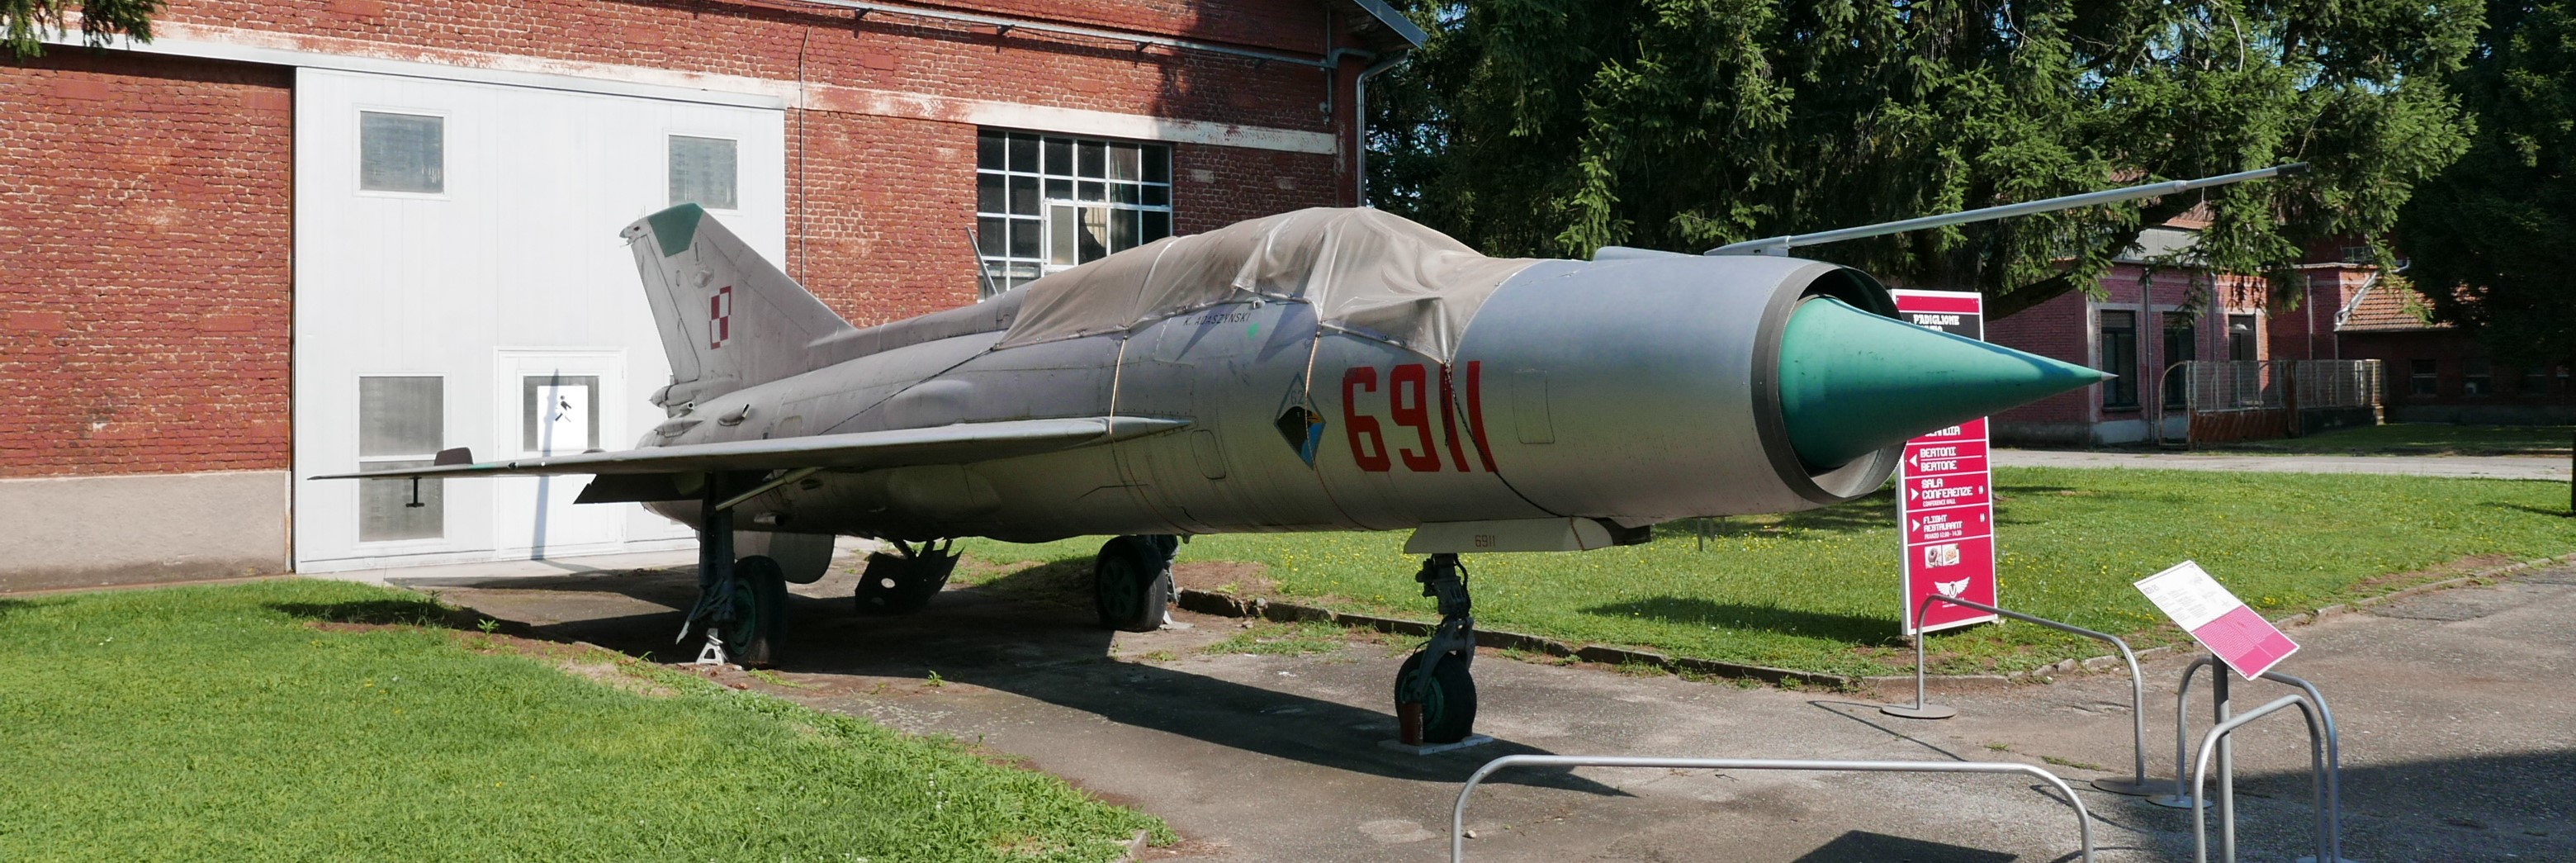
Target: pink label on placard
[{"x": 2246, "y": 641}]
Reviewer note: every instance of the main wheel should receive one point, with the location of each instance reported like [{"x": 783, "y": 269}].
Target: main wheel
[
  {"x": 759, "y": 612},
  {"x": 1131, "y": 583},
  {"x": 1449, "y": 709}
]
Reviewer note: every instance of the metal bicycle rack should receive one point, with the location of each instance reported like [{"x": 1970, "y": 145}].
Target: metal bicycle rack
[
  {"x": 1458, "y": 815},
  {"x": 2138, "y": 785},
  {"x": 2326, "y": 758},
  {"x": 2218, "y": 739}
]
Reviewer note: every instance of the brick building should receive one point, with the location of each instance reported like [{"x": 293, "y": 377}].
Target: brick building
[
  {"x": 2147, "y": 319},
  {"x": 290, "y": 237},
  {"x": 2433, "y": 372}
]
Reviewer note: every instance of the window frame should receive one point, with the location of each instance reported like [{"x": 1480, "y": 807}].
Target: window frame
[
  {"x": 432, "y": 490},
  {"x": 1008, "y": 269},
  {"x": 358, "y": 148},
  {"x": 2424, "y": 377},
  {"x": 2127, "y": 371},
  {"x": 670, "y": 152},
  {"x": 2477, "y": 377}
]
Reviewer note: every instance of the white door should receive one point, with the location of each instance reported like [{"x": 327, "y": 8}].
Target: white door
[{"x": 556, "y": 402}]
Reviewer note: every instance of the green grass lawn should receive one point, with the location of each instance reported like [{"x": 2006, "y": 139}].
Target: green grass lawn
[
  {"x": 2424, "y": 439},
  {"x": 224, "y": 723},
  {"x": 1817, "y": 590}
]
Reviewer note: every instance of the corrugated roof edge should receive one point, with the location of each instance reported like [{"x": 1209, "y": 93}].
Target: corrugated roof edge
[{"x": 1393, "y": 20}]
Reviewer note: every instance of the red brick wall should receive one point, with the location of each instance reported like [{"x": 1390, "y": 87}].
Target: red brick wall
[
  {"x": 2062, "y": 329},
  {"x": 889, "y": 52},
  {"x": 145, "y": 206}
]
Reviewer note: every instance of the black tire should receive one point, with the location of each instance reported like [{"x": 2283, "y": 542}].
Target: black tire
[
  {"x": 760, "y": 612},
  {"x": 1131, "y": 584},
  {"x": 1449, "y": 713},
  {"x": 893, "y": 586}
]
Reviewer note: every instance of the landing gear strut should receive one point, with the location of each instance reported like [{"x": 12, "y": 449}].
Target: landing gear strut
[
  {"x": 904, "y": 584},
  {"x": 742, "y": 604},
  {"x": 1435, "y": 698},
  {"x": 1131, "y": 582}
]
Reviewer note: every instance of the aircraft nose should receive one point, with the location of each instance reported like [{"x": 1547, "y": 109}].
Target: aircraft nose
[{"x": 1853, "y": 383}]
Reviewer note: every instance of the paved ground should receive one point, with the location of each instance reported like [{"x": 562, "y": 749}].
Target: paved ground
[
  {"x": 2476, "y": 466},
  {"x": 2459, "y": 742}
]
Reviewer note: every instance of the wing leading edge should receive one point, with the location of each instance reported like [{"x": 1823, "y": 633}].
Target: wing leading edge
[{"x": 950, "y": 444}]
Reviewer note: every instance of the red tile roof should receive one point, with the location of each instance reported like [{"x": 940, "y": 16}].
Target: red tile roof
[{"x": 2389, "y": 308}]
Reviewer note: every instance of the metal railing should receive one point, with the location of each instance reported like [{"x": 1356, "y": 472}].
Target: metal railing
[
  {"x": 2217, "y": 388},
  {"x": 2209, "y": 746},
  {"x": 2328, "y": 790},
  {"x": 2138, "y": 786},
  {"x": 1458, "y": 814}
]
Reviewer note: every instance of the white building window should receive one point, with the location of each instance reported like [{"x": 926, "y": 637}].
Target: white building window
[
  {"x": 402, "y": 152},
  {"x": 1045, "y": 203},
  {"x": 703, "y": 172},
  {"x": 559, "y": 414},
  {"x": 401, "y": 421}
]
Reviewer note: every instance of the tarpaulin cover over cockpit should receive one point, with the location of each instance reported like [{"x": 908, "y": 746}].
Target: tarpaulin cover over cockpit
[{"x": 1365, "y": 271}]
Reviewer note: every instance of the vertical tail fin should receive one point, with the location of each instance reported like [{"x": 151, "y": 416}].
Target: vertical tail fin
[{"x": 728, "y": 318}]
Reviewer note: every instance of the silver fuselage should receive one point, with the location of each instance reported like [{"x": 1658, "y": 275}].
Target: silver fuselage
[{"x": 1627, "y": 391}]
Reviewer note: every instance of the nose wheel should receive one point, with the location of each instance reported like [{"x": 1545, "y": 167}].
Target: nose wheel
[
  {"x": 1435, "y": 696},
  {"x": 1131, "y": 582}
]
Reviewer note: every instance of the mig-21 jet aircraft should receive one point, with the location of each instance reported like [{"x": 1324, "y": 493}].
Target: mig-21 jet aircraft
[{"x": 1319, "y": 370}]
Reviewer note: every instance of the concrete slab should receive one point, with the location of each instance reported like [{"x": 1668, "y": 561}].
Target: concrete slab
[
  {"x": 2462, "y": 466},
  {"x": 2457, "y": 745}
]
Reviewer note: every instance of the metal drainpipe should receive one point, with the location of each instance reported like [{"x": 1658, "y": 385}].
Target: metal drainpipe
[{"x": 1359, "y": 116}]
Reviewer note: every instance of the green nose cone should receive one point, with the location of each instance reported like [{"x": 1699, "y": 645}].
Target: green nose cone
[{"x": 1853, "y": 383}]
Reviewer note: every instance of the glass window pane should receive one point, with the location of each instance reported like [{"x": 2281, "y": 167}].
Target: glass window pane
[
  {"x": 559, "y": 413},
  {"x": 1059, "y": 156},
  {"x": 1059, "y": 189},
  {"x": 1094, "y": 191},
  {"x": 1158, "y": 196},
  {"x": 702, "y": 172},
  {"x": 400, "y": 416},
  {"x": 988, "y": 151},
  {"x": 1092, "y": 241},
  {"x": 1122, "y": 230},
  {"x": 402, "y": 152},
  {"x": 1157, "y": 226},
  {"x": 1123, "y": 162},
  {"x": 1095, "y": 159},
  {"x": 1024, "y": 238},
  {"x": 991, "y": 236},
  {"x": 1024, "y": 196},
  {"x": 385, "y": 510},
  {"x": 1060, "y": 243},
  {"x": 988, "y": 193},
  {"x": 1158, "y": 164},
  {"x": 1124, "y": 193},
  {"x": 1024, "y": 153}
]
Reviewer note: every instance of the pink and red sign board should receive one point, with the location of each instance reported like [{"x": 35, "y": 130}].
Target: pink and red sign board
[
  {"x": 2217, "y": 619},
  {"x": 1944, "y": 494}
]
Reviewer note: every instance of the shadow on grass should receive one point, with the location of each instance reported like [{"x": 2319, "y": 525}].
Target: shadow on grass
[
  {"x": 412, "y": 612},
  {"x": 1694, "y": 611},
  {"x": 1875, "y": 512},
  {"x": 1062, "y": 582},
  {"x": 7, "y": 606},
  {"x": 2556, "y": 511}
]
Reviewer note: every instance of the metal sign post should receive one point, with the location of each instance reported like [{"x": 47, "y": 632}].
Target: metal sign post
[{"x": 2136, "y": 786}]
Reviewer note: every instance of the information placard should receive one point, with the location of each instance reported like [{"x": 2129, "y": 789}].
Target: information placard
[
  {"x": 1944, "y": 494},
  {"x": 2217, "y": 619}
]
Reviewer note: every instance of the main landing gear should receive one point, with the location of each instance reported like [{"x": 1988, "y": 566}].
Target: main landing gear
[
  {"x": 742, "y": 604},
  {"x": 1435, "y": 698},
  {"x": 1131, "y": 582},
  {"x": 904, "y": 584}
]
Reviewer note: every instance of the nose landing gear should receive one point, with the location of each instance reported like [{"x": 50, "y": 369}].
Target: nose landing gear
[{"x": 1435, "y": 697}]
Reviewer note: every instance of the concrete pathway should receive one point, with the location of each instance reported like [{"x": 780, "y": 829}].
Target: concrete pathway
[
  {"x": 2473, "y": 466},
  {"x": 2458, "y": 744}
]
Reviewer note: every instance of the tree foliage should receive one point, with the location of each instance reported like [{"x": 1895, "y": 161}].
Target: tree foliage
[
  {"x": 1558, "y": 126},
  {"x": 2493, "y": 238},
  {"x": 25, "y": 24}
]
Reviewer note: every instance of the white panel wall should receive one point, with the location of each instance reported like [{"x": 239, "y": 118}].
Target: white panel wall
[{"x": 515, "y": 265}]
